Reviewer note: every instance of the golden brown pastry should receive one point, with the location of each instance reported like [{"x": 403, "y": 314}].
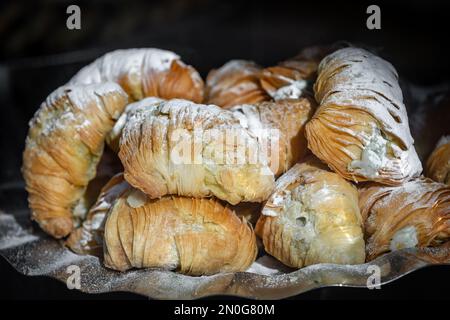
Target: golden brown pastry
[
  {"x": 88, "y": 239},
  {"x": 289, "y": 78},
  {"x": 438, "y": 164},
  {"x": 235, "y": 83},
  {"x": 64, "y": 145},
  {"x": 361, "y": 127},
  {"x": 280, "y": 128},
  {"x": 193, "y": 236},
  {"x": 113, "y": 137},
  {"x": 145, "y": 73},
  {"x": 415, "y": 214},
  {"x": 179, "y": 147},
  {"x": 312, "y": 217}
]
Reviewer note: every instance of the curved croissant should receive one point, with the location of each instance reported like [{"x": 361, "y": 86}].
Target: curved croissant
[
  {"x": 88, "y": 239},
  {"x": 280, "y": 125},
  {"x": 289, "y": 78},
  {"x": 312, "y": 217},
  {"x": 235, "y": 83},
  {"x": 415, "y": 214},
  {"x": 64, "y": 145},
  {"x": 361, "y": 127},
  {"x": 194, "y": 236},
  {"x": 144, "y": 73},
  {"x": 179, "y": 147},
  {"x": 438, "y": 164}
]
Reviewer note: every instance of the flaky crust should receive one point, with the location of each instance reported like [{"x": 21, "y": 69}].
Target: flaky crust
[
  {"x": 235, "y": 83},
  {"x": 288, "y": 118},
  {"x": 302, "y": 67},
  {"x": 178, "y": 147},
  {"x": 312, "y": 217},
  {"x": 194, "y": 236},
  {"x": 361, "y": 127},
  {"x": 416, "y": 213},
  {"x": 63, "y": 147},
  {"x": 88, "y": 239},
  {"x": 144, "y": 73},
  {"x": 438, "y": 164}
]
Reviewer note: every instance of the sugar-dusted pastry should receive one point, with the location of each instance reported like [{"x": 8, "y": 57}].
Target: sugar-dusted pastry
[
  {"x": 280, "y": 128},
  {"x": 312, "y": 217},
  {"x": 179, "y": 147},
  {"x": 64, "y": 145},
  {"x": 88, "y": 239},
  {"x": 144, "y": 73},
  {"x": 113, "y": 137},
  {"x": 361, "y": 127},
  {"x": 415, "y": 214},
  {"x": 191, "y": 235},
  {"x": 438, "y": 164},
  {"x": 235, "y": 83},
  {"x": 289, "y": 79}
]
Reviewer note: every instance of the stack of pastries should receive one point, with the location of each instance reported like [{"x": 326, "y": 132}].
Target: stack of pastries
[{"x": 138, "y": 161}]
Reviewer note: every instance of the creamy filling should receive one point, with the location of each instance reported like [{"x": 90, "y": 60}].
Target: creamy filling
[
  {"x": 373, "y": 156},
  {"x": 404, "y": 238},
  {"x": 291, "y": 91}
]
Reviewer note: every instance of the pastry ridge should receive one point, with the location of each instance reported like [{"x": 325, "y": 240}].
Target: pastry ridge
[
  {"x": 201, "y": 236},
  {"x": 361, "y": 126},
  {"x": 63, "y": 147},
  {"x": 154, "y": 137}
]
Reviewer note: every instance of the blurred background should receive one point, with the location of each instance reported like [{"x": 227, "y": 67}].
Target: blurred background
[{"x": 38, "y": 53}]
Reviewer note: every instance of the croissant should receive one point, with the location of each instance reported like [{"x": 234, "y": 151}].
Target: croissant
[
  {"x": 281, "y": 125},
  {"x": 438, "y": 164},
  {"x": 312, "y": 217},
  {"x": 88, "y": 239},
  {"x": 145, "y": 72},
  {"x": 179, "y": 147},
  {"x": 194, "y": 236},
  {"x": 415, "y": 214},
  {"x": 361, "y": 127},
  {"x": 64, "y": 145},
  {"x": 289, "y": 78},
  {"x": 235, "y": 83}
]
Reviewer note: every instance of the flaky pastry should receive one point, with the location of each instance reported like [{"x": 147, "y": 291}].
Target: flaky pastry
[
  {"x": 64, "y": 145},
  {"x": 312, "y": 217},
  {"x": 415, "y": 214},
  {"x": 145, "y": 72},
  {"x": 193, "y": 236},
  {"x": 361, "y": 127}
]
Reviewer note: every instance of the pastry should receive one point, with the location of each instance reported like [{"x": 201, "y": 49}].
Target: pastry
[
  {"x": 190, "y": 235},
  {"x": 64, "y": 145},
  {"x": 179, "y": 147},
  {"x": 280, "y": 128},
  {"x": 88, "y": 239},
  {"x": 312, "y": 217},
  {"x": 361, "y": 127},
  {"x": 235, "y": 83},
  {"x": 144, "y": 73},
  {"x": 289, "y": 79},
  {"x": 113, "y": 137},
  {"x": 438, "y": 164},
  {"x": 415, "y": 214}
]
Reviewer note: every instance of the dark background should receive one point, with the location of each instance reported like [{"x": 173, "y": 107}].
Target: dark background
[{"x": 38, "y": 54}]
